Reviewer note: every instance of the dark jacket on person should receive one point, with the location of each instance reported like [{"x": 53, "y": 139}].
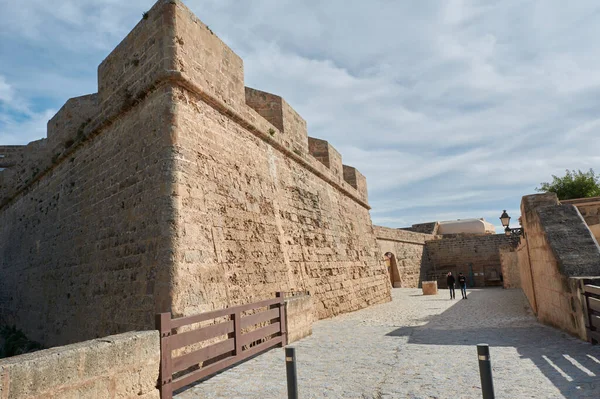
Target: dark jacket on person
[
  {"x": 450, "y": 280},
  {"x": 462, "y": 281}
]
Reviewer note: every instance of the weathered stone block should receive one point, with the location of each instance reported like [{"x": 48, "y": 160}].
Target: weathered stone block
[
  {"x": 300, "y": 315},
  {"x": 279, "y": 113},
  {"x": 67, "y": 126},
  {"x": 327, "y": 155},
  {"x": 65, "y": 372},
  {"x": 356, "y": 179},
  {"x": 430, "y": 287}
]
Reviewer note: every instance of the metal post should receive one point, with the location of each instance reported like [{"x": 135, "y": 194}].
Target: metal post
[
  {"x": 485, "y": 371},
  {"x": 290, "y": 368}
]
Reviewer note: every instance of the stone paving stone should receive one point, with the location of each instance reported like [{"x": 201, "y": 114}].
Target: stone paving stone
[{"x": 423, "y": 347}]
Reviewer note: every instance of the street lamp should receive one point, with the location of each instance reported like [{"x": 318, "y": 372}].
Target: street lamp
[{"x": 505, "y": 219}]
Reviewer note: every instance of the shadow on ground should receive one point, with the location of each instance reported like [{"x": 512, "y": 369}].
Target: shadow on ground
[{"x": 572, "y": 365}]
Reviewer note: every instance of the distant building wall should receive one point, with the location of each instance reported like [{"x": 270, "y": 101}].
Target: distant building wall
[
  {"x": 477, "y": 254},
  {"x": 410, "y": 262}
]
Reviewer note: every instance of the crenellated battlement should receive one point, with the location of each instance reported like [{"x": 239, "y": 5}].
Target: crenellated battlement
[{"x": 172, "y": 46}]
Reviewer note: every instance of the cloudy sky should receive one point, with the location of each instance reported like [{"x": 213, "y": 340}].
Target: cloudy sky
[{"x": 452, "y": 109}]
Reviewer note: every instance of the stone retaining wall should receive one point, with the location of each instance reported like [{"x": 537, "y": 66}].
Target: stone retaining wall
[
  {"x": 300, "y": 315},
  {"x": 410, "y": 262},
  {"x": 455, "y": 254},
  {"x": 119, "y": 366},
  {"x": 510, "y": 267},
  {"x": 561, "y": 250}
]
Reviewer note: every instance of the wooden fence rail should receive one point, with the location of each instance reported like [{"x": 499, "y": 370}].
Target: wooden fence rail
[
  {"x": 592, "y": 304},
  {"x": 233, "y": 347}
]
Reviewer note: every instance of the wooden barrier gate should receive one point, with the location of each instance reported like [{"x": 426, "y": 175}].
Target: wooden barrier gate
[
  {"x": 592, "y": 304},
  {"x": 224, "y": 353}
]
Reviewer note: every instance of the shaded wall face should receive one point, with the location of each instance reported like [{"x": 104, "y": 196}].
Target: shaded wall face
[
  {"x": 408, "y": 262},
  {"x": 562, "y": 254},
  {"x": 251, "y": 222},
  {"x": 510, "y": 268},
  {"x": 457, "y": 253},
  {"x": 84, "y": 253},
  {"x": 525, "y": 273},
  {"x": 553, "y": 295}
]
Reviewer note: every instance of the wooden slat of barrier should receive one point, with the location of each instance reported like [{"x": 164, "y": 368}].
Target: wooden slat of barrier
[
  {"x": 282, "y": 318},
  {"x": 163, "y": 324},
  {"x": 192, "y": 337},
  {"x": 213, "y": 368},
  {"x": 592, "y": 289},
  {"x": 260, "y": 317},
  {"x": 196, "y": 357},
  {"x": 184, "y": 321},
  {"x": 260, "y": 333},
  {"x": 594, "y": 304}
]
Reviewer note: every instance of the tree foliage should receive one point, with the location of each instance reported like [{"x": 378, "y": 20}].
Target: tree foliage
[
  {"x": 14, "y": 342},
  {"x": 575, "y": 184}
]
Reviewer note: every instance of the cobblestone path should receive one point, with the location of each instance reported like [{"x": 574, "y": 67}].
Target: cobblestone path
[{"x": 423, "y": 347}]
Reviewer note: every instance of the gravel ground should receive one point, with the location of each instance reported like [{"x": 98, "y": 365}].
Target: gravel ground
[{"x": 423, "y": 347}]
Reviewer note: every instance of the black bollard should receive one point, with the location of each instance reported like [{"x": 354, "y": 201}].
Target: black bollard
[
  {"x": 485, "y": 371},
  {"x": 290, "y": 369}
]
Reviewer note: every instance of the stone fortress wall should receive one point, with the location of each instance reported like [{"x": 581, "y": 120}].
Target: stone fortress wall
[
  {"x": 176, "y": 188},
  {"x": 558, "y": 254},
  {"x": 479, "y": 254},
  {"x": 409, "y": 263}
]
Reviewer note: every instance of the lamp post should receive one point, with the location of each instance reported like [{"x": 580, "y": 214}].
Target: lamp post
[{"x": 515, "y": 233}]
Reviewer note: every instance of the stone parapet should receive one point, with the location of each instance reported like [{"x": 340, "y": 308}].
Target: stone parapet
[
  {"x": 327, "y": 155},
  {"x": 300, "y": 316},
  {"x": 118, "y": 366},
  {"x": 560, "y": 250}
]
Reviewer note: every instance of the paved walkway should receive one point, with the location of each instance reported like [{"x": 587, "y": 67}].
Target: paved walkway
[{"x": 423, "y": 347}]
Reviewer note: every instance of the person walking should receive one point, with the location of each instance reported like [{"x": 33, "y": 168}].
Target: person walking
[
  {"x": 462, "y": 283},
  {"x": 450, "y": 280}
]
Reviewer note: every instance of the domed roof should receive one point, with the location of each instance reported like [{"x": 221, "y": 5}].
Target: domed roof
[{"x": 468, "y": 226}]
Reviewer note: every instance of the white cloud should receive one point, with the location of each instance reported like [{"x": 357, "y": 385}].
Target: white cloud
[
  {"x": 6, "y": 91},
  {"x": 449, "y": 109}
]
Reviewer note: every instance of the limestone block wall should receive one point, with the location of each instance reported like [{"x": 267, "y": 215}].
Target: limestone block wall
[
  {"x": 85, "y": 249},
  {"x": 525, "y": 275},
  {"x": 561, "y": 247},
  {"x": 300, "y": 316},
  {"x": 410, "y": 261},
  {"x": 510, "y": 267},
  {"x": 119, "y": 366},
  {"x": 327, "y": 155},
  {"x": 456, "y": 253},
  {"x": 590, "y": 210},
  {"x": 171, "y": 193},
  {"x": 252, "y": 222},
  {"x": 256, "y": 213}
]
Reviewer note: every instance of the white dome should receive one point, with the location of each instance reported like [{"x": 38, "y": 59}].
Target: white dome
[{"x": 468, "y": 226}]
